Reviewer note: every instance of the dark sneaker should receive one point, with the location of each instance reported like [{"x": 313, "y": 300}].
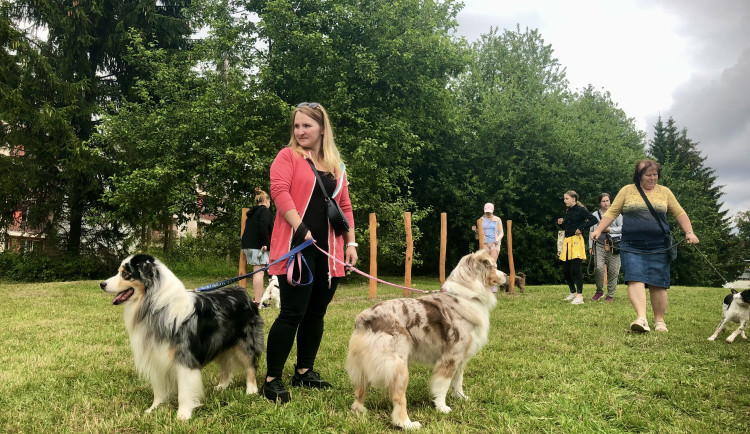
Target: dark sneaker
[
  {"x": 275, "y": 391},
  {"x": 597, "y": 296},
  {"x": 309, "y": 379},
  {"x": 608, "y": 298}
]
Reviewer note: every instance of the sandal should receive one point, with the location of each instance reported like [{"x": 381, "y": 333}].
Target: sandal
[
  {"x": 640, "y": 325},
  {"x": 660, "y": 326}
]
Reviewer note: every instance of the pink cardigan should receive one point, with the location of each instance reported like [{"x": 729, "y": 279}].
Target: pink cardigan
[{"x": 292, "y": 184}]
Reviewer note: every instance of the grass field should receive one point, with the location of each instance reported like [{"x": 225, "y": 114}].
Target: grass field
[{"x": 549, "y": 367}]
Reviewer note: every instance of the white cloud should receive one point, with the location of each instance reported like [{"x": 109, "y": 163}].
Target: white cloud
[{"x": 683, "y": 58}]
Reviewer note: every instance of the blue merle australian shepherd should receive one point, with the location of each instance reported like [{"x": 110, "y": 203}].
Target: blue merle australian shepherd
[{"x": 174, "y": 332}]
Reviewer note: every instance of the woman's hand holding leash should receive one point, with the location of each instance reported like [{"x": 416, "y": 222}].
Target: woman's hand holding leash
[{"x": 350, "y": 256}]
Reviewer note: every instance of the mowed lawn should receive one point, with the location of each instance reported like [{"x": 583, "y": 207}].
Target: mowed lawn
[{"x": 549, "y": 367}]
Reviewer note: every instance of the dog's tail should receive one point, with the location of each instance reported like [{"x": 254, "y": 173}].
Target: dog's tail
[{"x": 376, "y": 357}]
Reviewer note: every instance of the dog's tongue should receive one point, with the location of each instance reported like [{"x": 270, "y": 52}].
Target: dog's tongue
[{"x": 123, "y": 296}]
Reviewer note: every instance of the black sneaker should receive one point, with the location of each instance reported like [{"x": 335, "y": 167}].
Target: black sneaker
[
  {"x": 309, "y": 379},
  {"x": 275, "y": 390}
]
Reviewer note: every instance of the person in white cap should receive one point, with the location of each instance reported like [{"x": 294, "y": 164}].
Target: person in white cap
[{"x": 493, "y": 230}]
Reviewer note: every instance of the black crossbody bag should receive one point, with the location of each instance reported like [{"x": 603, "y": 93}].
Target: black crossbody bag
[
  {"x": 672, "y": 246},
  {"x": 610, "y": 242},
  {"x": 335, "y": 215}
]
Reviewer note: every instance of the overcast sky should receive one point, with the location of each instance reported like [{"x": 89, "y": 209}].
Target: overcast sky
[{"x": 689, "y": 59}]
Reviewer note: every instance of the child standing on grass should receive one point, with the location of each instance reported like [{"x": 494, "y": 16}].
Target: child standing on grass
[{"x": 577, "y": 219}]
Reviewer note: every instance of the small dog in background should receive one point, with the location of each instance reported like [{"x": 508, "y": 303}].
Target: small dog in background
[
  {"x": 174, "y": 332},
  {"x": 271, "y": 294},
  {"x": 736, "y": 308},
  {"x": 520, "y": 283}
]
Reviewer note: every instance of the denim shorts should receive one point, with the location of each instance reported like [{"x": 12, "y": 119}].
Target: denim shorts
[{"x": 256, "y": 257}]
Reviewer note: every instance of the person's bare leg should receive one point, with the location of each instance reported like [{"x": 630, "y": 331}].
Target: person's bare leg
[
  {"x": 658, "y": 303},
  {"x": 257, "y": 284}
]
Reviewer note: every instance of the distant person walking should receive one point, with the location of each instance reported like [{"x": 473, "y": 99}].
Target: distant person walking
[
  {"x": 604, "y": 251},
  {"x": 257, "y": 237}
]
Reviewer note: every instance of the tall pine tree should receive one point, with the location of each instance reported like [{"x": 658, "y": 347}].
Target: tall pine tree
[
  {"x": 694, "y": 185},
  {"x": 62, "y": 65}
]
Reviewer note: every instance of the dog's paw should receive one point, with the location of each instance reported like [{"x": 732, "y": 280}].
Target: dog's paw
[
  {"x": 358, "y": 408},
  {"x": 222, "y": 386},
  {"x": 730, "y": 340},
  {"x": 252, "y": 389},
  {"x": 411, "y": 425},
  {"x": 712, "y": 338},
  {"x": 443, "y": 408},
  {"x": 460, "y": 395},
  {"x": 153, "y": 407},
  {"x": 184, "y": 414}
]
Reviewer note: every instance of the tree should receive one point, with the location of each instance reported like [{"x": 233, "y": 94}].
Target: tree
[
  {"x": 526, "y": 140},
  {"x": 382, "y": 70},
  {"x": 54, "y": 87},
  {"x": 742, "y": 223},
  {"x": 197, "y": 125},
  {"x": 694, "y": 185}
]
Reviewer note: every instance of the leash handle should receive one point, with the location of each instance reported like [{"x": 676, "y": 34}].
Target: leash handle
[
  {"x": 356, "y": 270},
  {"x": 289, "y": 255},
  {"x": 290, "y": 268}
]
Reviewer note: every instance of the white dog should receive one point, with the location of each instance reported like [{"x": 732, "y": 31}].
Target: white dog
[
  {"x": 271, "y": 294},
  {"x": 443, "y": 330},
  {"x": 736, "y": 307}
]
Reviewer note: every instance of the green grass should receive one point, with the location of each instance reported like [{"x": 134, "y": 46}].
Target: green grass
[{"x": 549, "y": 367}]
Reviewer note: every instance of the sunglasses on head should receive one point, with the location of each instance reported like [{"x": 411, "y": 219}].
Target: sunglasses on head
[{"x": 312, "y": 105}]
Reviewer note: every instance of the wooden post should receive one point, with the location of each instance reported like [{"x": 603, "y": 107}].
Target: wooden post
[
  {"x": 409, "y": 254},
  {"x": 512, "y": 268},
  {"x": 605, "y": 274},
  {"x": 373, "y": 256},
  {"x": 243, "y": 258},
  {"x": 443, "y": 244},
  {"x": 480, "y": 233}
]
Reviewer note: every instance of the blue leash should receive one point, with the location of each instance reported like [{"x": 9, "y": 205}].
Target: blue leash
[{"x": 290, "y": 260}]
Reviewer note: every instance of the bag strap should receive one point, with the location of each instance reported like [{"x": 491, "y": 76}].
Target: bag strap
[
  {"x": 320, "y": 181},
  {"x": 650, "y": 208}
]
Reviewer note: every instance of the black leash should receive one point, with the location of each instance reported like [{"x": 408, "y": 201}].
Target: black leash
[
  {"x": 714, "y": 268},
  {"x": 641, "y": 252}
]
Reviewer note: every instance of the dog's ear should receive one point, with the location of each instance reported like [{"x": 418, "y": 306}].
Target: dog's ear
[{"x": 147, "y": 269}]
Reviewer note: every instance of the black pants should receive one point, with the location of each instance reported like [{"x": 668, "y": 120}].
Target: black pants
[
  {"x": 573, "y": 275},
  {"x": 301, "y": 315}
]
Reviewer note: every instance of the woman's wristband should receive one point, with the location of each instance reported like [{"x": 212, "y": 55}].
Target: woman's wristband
[
  {"x": 688, "y": 233},
  {"x": 352, "y": 244}
]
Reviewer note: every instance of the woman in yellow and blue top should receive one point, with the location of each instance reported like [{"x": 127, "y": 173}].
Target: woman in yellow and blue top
[
  {"x": 577, "y": 219},
  {"x": 643, "y": 253}
]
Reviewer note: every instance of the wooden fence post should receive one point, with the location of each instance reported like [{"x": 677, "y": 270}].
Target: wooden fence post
[
  {"x": 480, "y": 232},
  {"x": 409, "y": 254},
  {"x": 243, "y": 258},
  {"x": 373, "y": 292},
  {"x": 443, "y": 244},
  {"x": 512, "y": 277}
]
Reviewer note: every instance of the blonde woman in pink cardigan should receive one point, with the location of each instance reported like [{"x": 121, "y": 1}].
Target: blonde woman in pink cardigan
[{"x": 301, "y": 215}]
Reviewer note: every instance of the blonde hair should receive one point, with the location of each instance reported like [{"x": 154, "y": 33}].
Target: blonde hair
[
  {"x": 330, "y": 158},
  {"x": 260, "y": 196},
  {"x": 574, "y": 195}
]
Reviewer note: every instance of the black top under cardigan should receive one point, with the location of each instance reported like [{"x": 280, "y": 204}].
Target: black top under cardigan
[
  {"x": 577, "y": 217},
  {"x": 258, "y": 228}
]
